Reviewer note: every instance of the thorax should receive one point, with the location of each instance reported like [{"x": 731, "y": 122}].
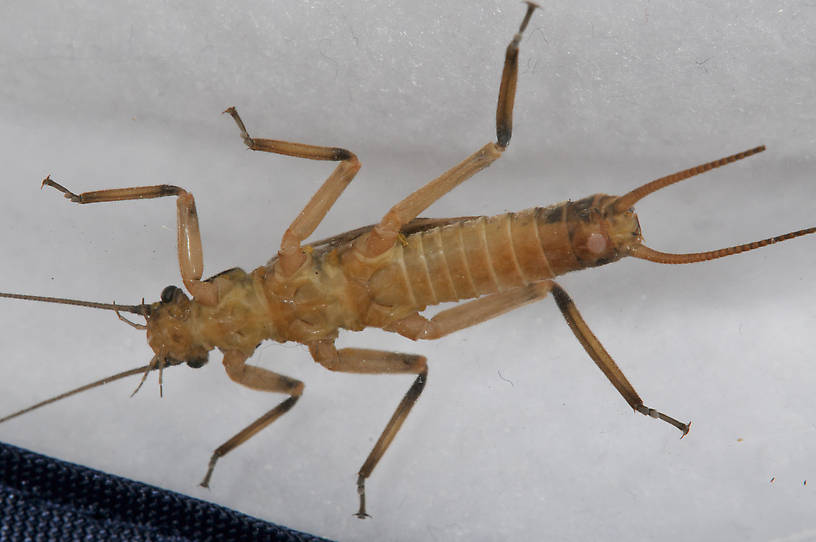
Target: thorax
[{"x": 316, "y": 301}]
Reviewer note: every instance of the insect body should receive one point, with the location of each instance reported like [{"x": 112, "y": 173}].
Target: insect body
[{"x": 385, "y": 275}]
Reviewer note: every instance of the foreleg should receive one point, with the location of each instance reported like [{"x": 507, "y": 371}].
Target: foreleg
[
  {"x": 257, "y": 379},
  {"x": 190, "y": 253}
]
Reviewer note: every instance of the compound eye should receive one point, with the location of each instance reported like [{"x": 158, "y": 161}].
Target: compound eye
[
  {"x": 168, "y": 294},
  {"x": 198, "y": 363}
]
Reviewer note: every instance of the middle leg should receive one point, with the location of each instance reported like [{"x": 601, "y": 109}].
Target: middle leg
[
  {"x": 291, "y": 254},
  {"x": 365, "y": 361}
]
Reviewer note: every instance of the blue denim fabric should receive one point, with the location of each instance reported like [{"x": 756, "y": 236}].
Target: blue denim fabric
[{"x": 44, "y": 499}]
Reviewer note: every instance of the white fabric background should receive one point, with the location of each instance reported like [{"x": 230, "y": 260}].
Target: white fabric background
[{"x": 517, "y": 434}]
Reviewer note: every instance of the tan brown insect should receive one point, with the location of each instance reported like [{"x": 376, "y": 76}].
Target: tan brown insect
[{"x": 385, "y": 275}]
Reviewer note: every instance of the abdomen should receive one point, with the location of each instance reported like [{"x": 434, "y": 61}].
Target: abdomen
[{"x": 476, "y": 257}]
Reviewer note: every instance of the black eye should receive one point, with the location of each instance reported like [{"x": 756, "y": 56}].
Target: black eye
[
  {"x": 198, "y": 362},
  {"x": 168, "y": 294}
]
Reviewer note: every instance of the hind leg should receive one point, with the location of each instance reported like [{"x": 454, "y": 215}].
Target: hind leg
[
  {"x": 385, "y": 234},
  {"x": 490, "y": 306}
]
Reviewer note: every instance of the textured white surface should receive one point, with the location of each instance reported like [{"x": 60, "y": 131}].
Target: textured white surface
[{"x": 517, "y": 434}]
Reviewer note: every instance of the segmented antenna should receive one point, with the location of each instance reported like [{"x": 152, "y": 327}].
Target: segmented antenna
[
  {"x": 101, "y": 382},
  {"x": 135, "y": 309}
]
